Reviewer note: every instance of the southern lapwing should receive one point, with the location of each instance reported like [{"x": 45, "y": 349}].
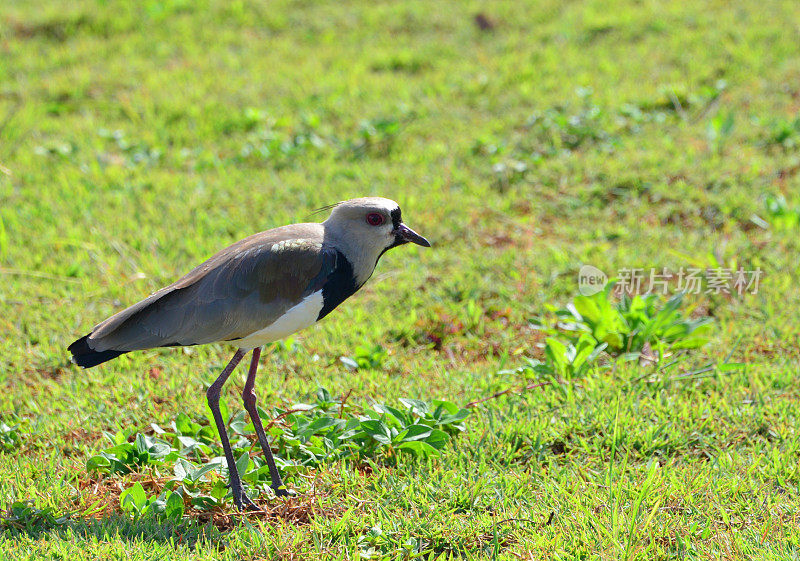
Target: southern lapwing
[{"x": 258, "y": 290}]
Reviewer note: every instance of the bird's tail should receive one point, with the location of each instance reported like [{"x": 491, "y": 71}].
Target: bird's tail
[{"x": 85, "y": 356}]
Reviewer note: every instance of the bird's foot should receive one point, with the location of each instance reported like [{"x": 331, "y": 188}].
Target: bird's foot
[
  {"x": 250, "y": 505},
  {"x": 243, "y": 502}
]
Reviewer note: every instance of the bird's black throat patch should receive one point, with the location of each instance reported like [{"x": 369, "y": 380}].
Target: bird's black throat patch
[{"x": 339, "y": 285}]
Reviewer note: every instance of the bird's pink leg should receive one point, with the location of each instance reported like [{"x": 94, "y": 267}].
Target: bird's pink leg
[
  {"x": 240, "y": 498},
  {"x": 249, "y": 397}
]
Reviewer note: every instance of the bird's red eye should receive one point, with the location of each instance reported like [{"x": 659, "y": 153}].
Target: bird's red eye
[{"x": 374, "y": 219}]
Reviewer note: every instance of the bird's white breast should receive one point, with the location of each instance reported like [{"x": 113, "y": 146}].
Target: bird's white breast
[{"x": 296, "y": 318}]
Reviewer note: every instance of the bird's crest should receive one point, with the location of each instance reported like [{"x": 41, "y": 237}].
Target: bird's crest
[{"x": 324, "y": 208}]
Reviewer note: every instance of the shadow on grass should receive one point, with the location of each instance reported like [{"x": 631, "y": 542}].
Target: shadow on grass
[
  {"x": 210, "y": 527},
  {"x": 24, "y": 520}
]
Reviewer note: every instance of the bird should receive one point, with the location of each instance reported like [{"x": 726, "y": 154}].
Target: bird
[{"x": 258, "y": 290}]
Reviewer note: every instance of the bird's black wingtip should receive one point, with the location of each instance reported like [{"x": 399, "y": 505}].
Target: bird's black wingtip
[{"x": 86, "y": 357}]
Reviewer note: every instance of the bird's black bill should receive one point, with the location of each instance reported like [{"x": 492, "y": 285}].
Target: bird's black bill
[{"x": 406, "y": 234}]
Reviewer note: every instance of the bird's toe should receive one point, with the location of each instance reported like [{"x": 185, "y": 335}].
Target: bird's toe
[{"x": 245, "y": 503}]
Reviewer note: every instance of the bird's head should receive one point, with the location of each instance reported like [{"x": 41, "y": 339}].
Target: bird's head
[{"x": 369, "y": 226}]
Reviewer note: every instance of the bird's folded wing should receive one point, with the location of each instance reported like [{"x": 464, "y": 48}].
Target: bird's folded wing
[{"x": 235, "y": 293}]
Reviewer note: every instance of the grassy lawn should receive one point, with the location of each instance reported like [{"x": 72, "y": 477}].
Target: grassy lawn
[{"x": 525, "y": 140}]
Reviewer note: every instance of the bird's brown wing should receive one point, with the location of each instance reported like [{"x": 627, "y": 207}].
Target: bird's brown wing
[{"x": 240, "y": 290}]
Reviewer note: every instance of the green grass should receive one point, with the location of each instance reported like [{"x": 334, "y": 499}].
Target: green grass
[{"x": 136, "y": 139}]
